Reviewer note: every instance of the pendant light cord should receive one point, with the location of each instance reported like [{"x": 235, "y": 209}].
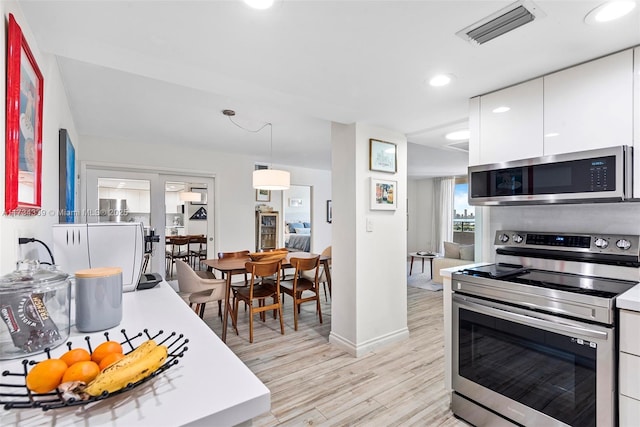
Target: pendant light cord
[{"x": 258, "y": 130}]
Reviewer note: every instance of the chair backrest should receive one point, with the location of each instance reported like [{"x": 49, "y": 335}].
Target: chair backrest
[
  {"x": 188, "y": 280},
  {"x": 177, "y": 244},
  {"x": 259, "y": 269},
  {"x": 269, "y": 256},
  {"x": 306, "y": 264},
  {"x": 238, "y": 254},
  {"x": 327, "y": 251},
  {"x": 198, "y": 239}
]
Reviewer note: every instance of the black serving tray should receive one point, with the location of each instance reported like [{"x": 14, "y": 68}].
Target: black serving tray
[{"x": 14, "y": 393}]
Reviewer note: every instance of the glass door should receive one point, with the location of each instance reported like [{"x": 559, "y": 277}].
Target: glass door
[
  {"x": 188, "y": 211},
  {"x": 153, "y": 199}
]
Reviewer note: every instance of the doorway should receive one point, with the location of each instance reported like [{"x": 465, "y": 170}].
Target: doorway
[
  {"x": 297, "y": 218},
  {"x": 153, "y": 199}
]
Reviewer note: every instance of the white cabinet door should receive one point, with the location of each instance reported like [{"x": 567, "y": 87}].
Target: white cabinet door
[
  {"x": 516, "y": 133},
  {"x": 132, "y": 200},
  {"x": 629, "y": 411},
  {"x": 629, "y": 327},
  {"x": 171, "y": 202},
  {"x": 474, "y": 131},
  {"x": 590, "y": 105},
  {"x": 636, "y": 123},
  {"x": 144, "y": 201}
]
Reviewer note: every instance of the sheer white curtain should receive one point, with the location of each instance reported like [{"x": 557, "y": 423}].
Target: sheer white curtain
[{"x": 443, "y": 189}]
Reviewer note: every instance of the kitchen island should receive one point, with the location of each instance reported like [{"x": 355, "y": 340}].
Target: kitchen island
[{"x": 209, "y": 386}]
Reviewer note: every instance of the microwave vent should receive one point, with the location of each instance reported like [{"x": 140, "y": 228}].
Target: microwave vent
[{"x": 503, "y": 21}]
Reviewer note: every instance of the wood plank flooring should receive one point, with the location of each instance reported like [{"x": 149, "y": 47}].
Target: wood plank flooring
[{"x": 314, "y": 383}]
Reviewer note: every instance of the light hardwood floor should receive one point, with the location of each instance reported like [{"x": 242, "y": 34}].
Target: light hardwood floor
[{"x": 313, "y": 382}]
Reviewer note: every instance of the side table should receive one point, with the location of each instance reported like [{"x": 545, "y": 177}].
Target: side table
[{"x": 423, "y": 257}]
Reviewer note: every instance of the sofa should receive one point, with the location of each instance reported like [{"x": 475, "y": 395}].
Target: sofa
[{"x": 455, "y": 255}]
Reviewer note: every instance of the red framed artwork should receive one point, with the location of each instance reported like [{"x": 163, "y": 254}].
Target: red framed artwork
[{"x": 23, "y": 166}]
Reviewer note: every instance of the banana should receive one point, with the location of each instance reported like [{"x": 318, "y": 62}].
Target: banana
[
  {"x": 137, "y": 354},
  {"x": 115, "y": 377}
]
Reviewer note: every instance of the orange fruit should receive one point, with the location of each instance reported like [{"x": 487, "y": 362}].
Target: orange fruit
[
  {"x": 46, "y": 375},
  {"x": 75, "y": 355},
  {"x": 104, "y": 349},
  {"x": 84, "y": 371},
  {"x": 110, "y": 359}
]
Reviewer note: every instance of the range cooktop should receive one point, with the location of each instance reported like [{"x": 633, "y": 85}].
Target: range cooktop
[{"x": 574, "y": 283}]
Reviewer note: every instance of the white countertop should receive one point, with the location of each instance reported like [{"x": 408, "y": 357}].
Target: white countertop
[
  {"x": 630, "y": 300},
  {"x": 209, "y": 386}
]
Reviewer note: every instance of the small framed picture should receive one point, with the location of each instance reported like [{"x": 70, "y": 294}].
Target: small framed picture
[
  {"x": 263, "y": 196},
  {"x": 382, "y": 156},
  {"x": 295, "y": 203},
  {"x": 383, "y": 194},
  {"x": 329, "y": 211}
]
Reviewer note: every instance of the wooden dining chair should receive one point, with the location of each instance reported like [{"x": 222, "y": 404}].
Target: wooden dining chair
[
  {"x": 235, "y": 286},
  {"x": 322, "y": 278},
  {"x": 197, "y": 250},
  {"x": 261, "y": 286},
  {"x": 300, "y": 284},
  {"x": 178, "y": 249},
  {"x": 200, "y": 291}
]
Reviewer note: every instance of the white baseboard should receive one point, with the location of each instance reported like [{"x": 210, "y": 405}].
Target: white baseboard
[{"x": 369, "y": 346}]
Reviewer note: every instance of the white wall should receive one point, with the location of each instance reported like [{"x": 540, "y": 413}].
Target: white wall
[
  {"x": 234, "y": 195},
  {"x": 56, "y": 115}
]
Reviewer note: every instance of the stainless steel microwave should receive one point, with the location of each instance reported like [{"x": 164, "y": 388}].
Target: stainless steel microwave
[{"x": 602, "y": 175}]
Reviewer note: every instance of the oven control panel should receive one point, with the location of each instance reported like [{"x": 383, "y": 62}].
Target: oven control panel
[{"x": 628, "y": 245}]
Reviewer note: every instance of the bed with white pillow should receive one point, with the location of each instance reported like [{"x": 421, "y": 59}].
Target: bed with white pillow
[{"x": 297, "y": 236}]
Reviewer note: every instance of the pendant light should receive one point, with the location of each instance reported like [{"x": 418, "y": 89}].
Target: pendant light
[
  {"x": 189, "y": 196},
  {"x": 266, "y": 179}
]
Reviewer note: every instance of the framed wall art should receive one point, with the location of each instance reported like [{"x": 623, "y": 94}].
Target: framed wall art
[
  {"x": 23, "y": 165},
  {"x": 383, "y": 156},
  {"x": 383, "y": 194},
  {"x": 263, "y": 195},
  {"x": 66, "y": 178}
]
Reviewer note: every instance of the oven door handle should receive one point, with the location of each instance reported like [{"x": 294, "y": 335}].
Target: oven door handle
[{"x": 559, "y": 327}]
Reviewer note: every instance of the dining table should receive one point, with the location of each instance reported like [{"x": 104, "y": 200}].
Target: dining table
[{"x": 230, "y": 266}]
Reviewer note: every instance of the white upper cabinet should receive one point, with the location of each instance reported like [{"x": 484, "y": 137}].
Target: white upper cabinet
[
  {"x": 590, "y": 105},
  {"x": 511, "y": 123},
  {"x": 636, "y": 119},
  {"x": 474, "y": 131}
]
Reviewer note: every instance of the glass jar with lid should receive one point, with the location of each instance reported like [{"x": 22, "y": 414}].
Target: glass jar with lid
[{"x": 35, "y": 309}]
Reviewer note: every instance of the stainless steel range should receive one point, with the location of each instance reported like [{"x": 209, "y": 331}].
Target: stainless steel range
[{"x": 534, "y": 335}]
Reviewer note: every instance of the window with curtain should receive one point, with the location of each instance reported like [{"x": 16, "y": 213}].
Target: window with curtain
[
  {"x": 443, "y": 202},
  {"x": 463, "y": 214}
]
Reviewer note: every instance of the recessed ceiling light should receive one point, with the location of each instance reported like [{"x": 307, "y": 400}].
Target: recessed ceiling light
[
  {"x": 502, "y": 109},
  {"x": 610, "y": 11},
  {"x": 259, "y": 4},
  {"x": 459, "y": 135},
  {"x": 551, "y": 134},
  {"x": 440, "y": 80}
]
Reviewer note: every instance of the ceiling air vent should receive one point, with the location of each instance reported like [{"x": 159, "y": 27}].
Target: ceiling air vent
[{"x": 511, "y": 17}]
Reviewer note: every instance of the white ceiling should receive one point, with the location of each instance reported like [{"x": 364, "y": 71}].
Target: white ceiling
[{"x": 162, "y": 71}]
